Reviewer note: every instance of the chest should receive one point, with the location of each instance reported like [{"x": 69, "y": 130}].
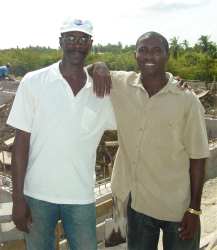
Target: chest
[
  {"x": 137, "y": 110},
  {"x": 58, "y": 108},
  {"x": 75, "y": 84}
]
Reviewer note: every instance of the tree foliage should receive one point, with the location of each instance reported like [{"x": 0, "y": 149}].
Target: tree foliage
[{"x": 197, "y": 62}]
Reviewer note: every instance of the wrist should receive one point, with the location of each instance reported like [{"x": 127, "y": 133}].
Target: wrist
[
  {"x": 195, "y": 204},
  {"x": 18, "y": 197}
]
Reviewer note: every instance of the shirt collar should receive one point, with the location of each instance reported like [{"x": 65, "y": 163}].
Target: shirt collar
[
  {"x": 171, "y": 86},
  {"x": 56, "y": 75}
]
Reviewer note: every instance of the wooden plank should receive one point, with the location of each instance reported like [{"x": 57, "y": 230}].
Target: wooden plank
[
  {"x": 10, "y": 141},
  {"x": 5, "y": 212},
  {"x": 14, "y": 245},
  {"x": 5, "y": 157},
  {"x": 203, "y": 93},
  {"x": 111, "y": 143},
  {"x": 104, "y": 208}
]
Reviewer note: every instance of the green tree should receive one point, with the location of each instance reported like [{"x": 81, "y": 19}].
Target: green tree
[{"x": 174, "y": 47}]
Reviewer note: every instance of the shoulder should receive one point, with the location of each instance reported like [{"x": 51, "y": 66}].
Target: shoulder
[
  {"x": 123, "y": 75},
  {"x": 189, "y": 96},
  {"x": 37, "y": 78},
  {"x": 185, "y": 93},
  {"x": 40, "y": 74},
  {"x": 192, "y": 102},
  {"x": 123, "y": 79},
  {"x": 184, "y": 97}
]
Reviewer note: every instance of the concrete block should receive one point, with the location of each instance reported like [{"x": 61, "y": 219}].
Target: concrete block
[
  {"x": 5, "y": 212},
  {"x": 211, "y": 164},
  {"x": 211, "y": 126}
]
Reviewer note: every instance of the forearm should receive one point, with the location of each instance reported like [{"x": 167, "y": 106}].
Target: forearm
[
  {"x": 89, "y": 68},
  {"x": 19, "y": 162},
  {"x": 197, "y": 173},
  {"x": 102, "y": 82}
]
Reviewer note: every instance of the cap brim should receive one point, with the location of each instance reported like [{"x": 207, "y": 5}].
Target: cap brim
[{"x": 76, "y": 29}]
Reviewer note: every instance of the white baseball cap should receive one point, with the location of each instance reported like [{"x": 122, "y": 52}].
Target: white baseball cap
[{"x": 70, "y": 24}]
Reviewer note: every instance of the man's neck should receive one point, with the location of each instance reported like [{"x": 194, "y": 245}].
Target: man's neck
[
  {"x": 74, "y": 75},
  {"x": 153, "y": 83},
  {"x": 71, "y": 70}
]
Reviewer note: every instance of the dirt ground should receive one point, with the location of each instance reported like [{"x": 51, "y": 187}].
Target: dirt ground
[
  {"x": 208, "y": 217},
  {"x": 209, "y": 208},
  {"x": 209, "y": 198}
]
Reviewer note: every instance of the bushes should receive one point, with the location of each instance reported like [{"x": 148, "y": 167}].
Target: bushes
[{"x": 190, "y": 62}]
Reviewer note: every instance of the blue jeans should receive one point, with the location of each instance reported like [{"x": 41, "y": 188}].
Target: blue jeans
[
  {"x": 79, "y": 223},
  {"x": 144, "y": 231}
]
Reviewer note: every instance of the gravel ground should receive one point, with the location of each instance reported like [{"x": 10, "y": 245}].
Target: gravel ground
[{"x": 209, "y": 208}]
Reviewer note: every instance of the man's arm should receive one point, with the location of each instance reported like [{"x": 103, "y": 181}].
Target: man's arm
[
  {"x": 102, "y": 82},
  {"x": 190, "y": 222},
  {"x": 197, "y": 173},
  {"x": 21, "y": 213}
]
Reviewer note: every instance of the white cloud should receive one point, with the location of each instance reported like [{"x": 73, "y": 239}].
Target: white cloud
[
  {"x": 36, "y": 22},
  {"x": 174, "y": 5}
]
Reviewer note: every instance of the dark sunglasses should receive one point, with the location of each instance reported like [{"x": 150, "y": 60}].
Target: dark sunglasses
[{"x": 76, "y": 40}]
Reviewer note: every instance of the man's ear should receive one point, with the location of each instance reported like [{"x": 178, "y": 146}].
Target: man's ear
[
  {"x": 90, "y": 44},
  {"x": 60, "y": 42},
  {"x": 134, "y": 54},
  {"x": 168, "y": 56}
]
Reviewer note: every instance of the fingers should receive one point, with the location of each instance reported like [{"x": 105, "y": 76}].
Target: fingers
[
  {"x": 187, "y": 234},
  {"x": 178, "y": 78},
  {"x": 108, "y": 86},
  {"x": 188, "y": 227},
  {"x": 99, "y": 86},
  {"x": 102, "y": 86},
  {"x": 21, "y": 215},
  {"x": 102, "y": 82},
  {"x": 94, "y": 88},
  {"x": 183, "y": 85},
  {"x": 22, "y": 224},
  {"x": 29, "y": 222},
  {"x": 183, "y": 228}
]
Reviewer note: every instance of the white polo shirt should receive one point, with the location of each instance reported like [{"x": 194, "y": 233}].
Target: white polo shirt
[{"x": 65, "y": 132}]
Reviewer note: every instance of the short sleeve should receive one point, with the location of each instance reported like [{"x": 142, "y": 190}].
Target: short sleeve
[
  {"x": 118, "y": 78},
  {"x": 195, "y": 134},
  {"x": 22, "y": 111}
]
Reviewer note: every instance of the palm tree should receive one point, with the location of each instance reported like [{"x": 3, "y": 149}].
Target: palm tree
[
  {"x": 174, "y": 47},
  {"x": 204, "y": 43},
  {"x": 185, "y": 44},
  {"x": 207, "y": 46}
]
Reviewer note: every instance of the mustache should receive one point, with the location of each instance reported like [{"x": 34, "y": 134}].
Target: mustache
[{"x": 72, "y": 50}]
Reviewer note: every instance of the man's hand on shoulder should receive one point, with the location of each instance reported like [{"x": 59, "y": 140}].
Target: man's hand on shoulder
[
  {"x": 102, "y": 82},
  {"x": 182, "y": 84}
]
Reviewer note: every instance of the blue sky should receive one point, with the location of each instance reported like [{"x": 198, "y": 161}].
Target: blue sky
[{"x": 37, "y": 22}]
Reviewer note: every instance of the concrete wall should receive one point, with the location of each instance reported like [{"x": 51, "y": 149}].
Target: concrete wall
[
  {"x": 211, "y": 166},
  {"x": 211, "y": 126}
]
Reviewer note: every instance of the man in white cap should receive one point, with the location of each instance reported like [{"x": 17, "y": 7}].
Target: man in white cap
[{"x": 59, "y": 123}]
